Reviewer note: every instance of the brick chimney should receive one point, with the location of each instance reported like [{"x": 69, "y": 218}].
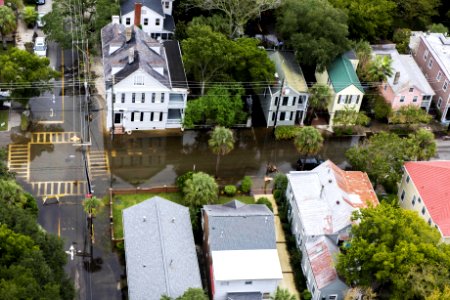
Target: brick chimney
[{"x": 137, "y": 13}]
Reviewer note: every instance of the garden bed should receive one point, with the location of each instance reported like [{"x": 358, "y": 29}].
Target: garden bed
[{"x": 120, "y": 200}]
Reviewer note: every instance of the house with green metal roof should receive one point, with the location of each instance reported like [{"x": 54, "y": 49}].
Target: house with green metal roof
[{"x": 346, "y": 90}]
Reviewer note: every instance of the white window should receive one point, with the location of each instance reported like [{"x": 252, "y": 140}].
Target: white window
[
  {"x": 282, "y": 116},
  {"x": 133, "y": 98},
  {"x": 145, "y": 21},
  {"x": 127, "y": 21},
  {"x": 122, "y": 98},
  {"x": 143, "y": 98},
  {"x": 411, "y": 90},
  {"x": 153, "y": 97},
  {"x": 162, "y": 97},
  {"x": 152, "y": 114},
  {"x": 425, "y": 55},
  {"x": 415, "y": 99},
  {"x": 348, "y": 99},
  {"x": 402, "y": 99},
  {"x": 423, "y": 210},
  {"x": 430, "y": 63},
  {"x": 157, "y": 22},
  {"x": 249, "y": 282},
  {"x": 167, "y": 4},
  {"x": 161, "y": 116},
  {"x": 413, "y": 201},
  {"x": 293, "y": 101},
  {"x": 439, "y": 76},
  {"x": 407, "y": 179},
  {"x": 445, "y": 86},
  {"x": 142, "y": 117},
  {"x": 403, "y": 195},
  {"x": 439, "y": 103},
  {"x": 138, "y": 80}
]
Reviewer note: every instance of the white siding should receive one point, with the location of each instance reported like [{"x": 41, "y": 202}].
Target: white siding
[{"x": 236, "y": 286}]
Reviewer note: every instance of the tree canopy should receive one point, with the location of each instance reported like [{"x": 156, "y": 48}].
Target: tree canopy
[
  {"x": 237, "y": 12},
  {"x": 210, "y": 56},
  {"x": 368, "y": 19},
  {"x": 190, "y": 294},
  {"x": 390, "y": 249},
  {"x": 7, "y": 23},
  {"x": 26, "y": 74},
  {"x": 308, "y": 141},
  {"x": 383, "y": 154},
  {"x": 318, "y": 36},
  {"x": 200, "y": 189},
  {"x": 220, "y": 106}
]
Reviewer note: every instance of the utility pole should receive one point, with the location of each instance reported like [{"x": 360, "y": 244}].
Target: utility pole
[
  {"x": 113, "y": 97},
  {"x": 278, "y": 104}
]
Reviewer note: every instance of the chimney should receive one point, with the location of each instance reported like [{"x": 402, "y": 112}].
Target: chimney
[
  {"x": 137, "y": 13},
  {"x": 128, "y": 33},
  {"x": 130, "y": 56},
  {"x": 115, "y": 19},
  {"x": 396, "y": 77}
]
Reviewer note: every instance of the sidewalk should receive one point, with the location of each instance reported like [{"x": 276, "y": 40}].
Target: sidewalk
[
  {"x": 23, "y": 34},
  {"x": 288, "y": 275}
]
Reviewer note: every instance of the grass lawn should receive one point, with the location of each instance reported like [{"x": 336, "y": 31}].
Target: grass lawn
[
  {"x": 123, "y": 201},
  {"x": 4, "y": 114}
]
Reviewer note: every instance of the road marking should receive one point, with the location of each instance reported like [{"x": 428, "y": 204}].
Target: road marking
[
  {"x": 51, "y": 112},
  {"x": 62, "y": 137},
  {"x": 19, "y": 160},
  {"x": 98, "y": 163}
]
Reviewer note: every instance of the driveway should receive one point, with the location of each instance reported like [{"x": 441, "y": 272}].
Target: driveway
[{"x": 288, "y": 281}]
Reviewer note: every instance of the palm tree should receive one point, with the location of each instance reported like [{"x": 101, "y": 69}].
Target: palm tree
[
  {"x": 308, "y": 141},
  {"x": 200, "y": 189},
  {"x": 379, "y": 69},
  {"x": 283, "y": 294},
  {"x": 319, "y": 98},
  {"x": 7, "y": 23},
  {"x": 221, "y": 143}
]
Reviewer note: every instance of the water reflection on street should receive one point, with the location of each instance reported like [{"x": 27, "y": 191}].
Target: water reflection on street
[{"x": 154, "y": 160}]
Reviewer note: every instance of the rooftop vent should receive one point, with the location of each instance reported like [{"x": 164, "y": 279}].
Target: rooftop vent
[
  {"x": 173, "y": 220},
  {"x": 144, "y": 219},
  {"x": 130, "y": 56},
  {"x": 396, "y": 77}
]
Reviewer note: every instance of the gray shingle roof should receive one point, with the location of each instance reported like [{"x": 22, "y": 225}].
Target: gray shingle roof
[
  {"x": 128, "y": 5},
  {"x": 159, "y": 248},
  {"x": 239, "y": 226},
  {"x": 146, "y": 58}
]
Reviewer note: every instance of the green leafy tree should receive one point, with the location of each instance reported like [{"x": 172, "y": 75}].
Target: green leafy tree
[
  {"x": 27, "y": 74},
  {"x": 349, "y": 117},
  {"x": 355, "y": 293},
  {"x": 381, "y": 108},
  {"x": 319, "y": 99},
  {"x": 367, "y": 19},
  {"x": 410, "y": 115},
  {"x": 392, "y": 247},
  {"x": 441, "y": 28},
  {"x": 308, "y": 141},
  {"x": 221, "y": 143},
  {"x": 16, "y": 6},
  {"x": 364, "y": 53},
  {"x": 190, "y": 294},
  {"x": 401, "y": 39},
  {"x": 439, "y": 295},
  {"x": 7, "y": 23},
  {"x": 378, "y": 69},
  {"x": 91, "y": 206},
  {"x": 30, "y": 15},
  {"x": 200, "y": 189},
  {"x": 237, "y": 12},
  {"x": 206, "y": 54},
  {"x": 422, "y": 145},
  {"x": 283, "y": 294},
  {"x": 221, "y": 106},
  {"x": 318, "y": 36},
  {"x": 217, "y": 22},
  {"x": 415, "y": 14}
]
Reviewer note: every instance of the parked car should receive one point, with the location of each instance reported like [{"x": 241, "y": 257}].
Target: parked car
[
  {"x": 308, "y": 163},
  {"x": 40, "y": 2},
  {"x": 40, "y": 22},
  {"x": 40, "y": 47}
]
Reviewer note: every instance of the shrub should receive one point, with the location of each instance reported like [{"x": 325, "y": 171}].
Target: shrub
[
  {"x": 286, "y": 132},
  {"x": 230, "y": 190},
  {"x": 277, "y": 195},
  {"x": 280, "y": 182},
  {"x": 180, "y": 182},
  {"x": 306, "y": 295},
  {"x": 381, "y": 108},
  {"x": 265, "y": 201},
  {"x": 30, "y": 15},
  {"x": 246, "y": 184}
]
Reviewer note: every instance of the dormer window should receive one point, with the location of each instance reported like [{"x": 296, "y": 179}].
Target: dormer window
[
  {"x": 127, "y": 21},
  {"x": 157, "y": 22},
  {"x": 167, "y": 4},
  {"x": 145, "y": 21},
  {"x": 138, "y": 80}
]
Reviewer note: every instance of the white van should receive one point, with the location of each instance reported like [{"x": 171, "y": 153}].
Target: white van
[{"x": 40, "y": 47}]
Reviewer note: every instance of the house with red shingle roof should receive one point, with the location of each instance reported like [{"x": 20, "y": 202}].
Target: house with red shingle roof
[
  {"x": 425, "y": 188},
  {"x": 321, "y": 203}
]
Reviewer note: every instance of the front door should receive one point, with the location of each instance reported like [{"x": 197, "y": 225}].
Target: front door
[{"x": 118, "y": 118}]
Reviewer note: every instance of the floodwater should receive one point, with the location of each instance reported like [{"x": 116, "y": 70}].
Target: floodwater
[{"x": 153, "y": 160}]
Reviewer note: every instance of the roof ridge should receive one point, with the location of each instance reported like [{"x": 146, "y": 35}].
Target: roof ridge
[{"x": 163, "y": 252}]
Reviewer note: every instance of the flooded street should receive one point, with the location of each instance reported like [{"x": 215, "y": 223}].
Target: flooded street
[{"x": 152, "y": 160}]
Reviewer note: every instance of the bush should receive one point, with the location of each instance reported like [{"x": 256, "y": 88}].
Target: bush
[
  {"x": 265, "y": 201},
  {"x": 306, "y": 295},
  {"x": 230, "y": 190},
  {"x": 180, "y": 182},
  {"x": 246, "y": 184},
  {"x": 286, "y": 132},
  {"x": 30, "y": 15},
  {"x": 381, "y": 108},
  {"x": 280, "y": 182}
]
